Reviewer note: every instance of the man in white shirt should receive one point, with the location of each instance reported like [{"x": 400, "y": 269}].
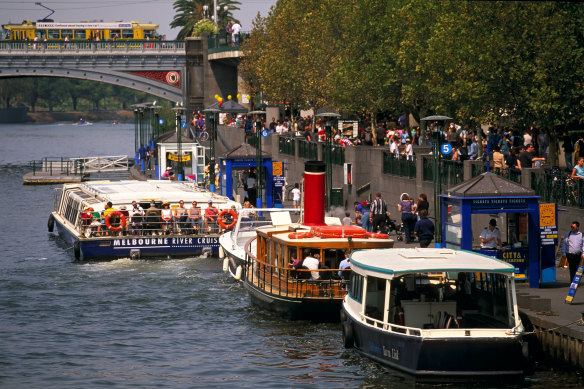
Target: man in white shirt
[
  {"x": 572, "y": 247},
  {"x": 394, "y": 148},
  {"x": 312, "y": 263},
  {"x": 235, "y": 30},
  {"x": 491, "y": 236}
]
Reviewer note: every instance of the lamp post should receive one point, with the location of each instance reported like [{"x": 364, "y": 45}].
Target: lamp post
[
  {"x": 206, "y": 11},
  {"x": 211, "y": 124},
  {"x": 178, "y": 124},
  {"x": 259, "y": 186},
  {"x": 436, "y": 175},
  {"x": 330, "y": 121}
]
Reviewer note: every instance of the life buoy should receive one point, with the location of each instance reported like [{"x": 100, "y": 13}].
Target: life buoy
[
  {"x": 300, "y": 235},
  {"x": 117, "y": 214},
  {"x": 233, "y": 216},
  {"x": 377, "y": 235}
]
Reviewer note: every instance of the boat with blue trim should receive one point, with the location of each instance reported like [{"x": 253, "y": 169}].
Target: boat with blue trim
[
  {"x": 435, "y": 313},
  {"x": 138, "y": 219}
]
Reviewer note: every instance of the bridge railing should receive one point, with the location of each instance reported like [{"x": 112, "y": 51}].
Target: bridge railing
[
  {"x": 222, "y": 42},
  {"x": 58, "y": 46},
  {"x": 103, "y": 163}
]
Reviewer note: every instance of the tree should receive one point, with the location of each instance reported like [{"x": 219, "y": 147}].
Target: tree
[{"x": 189, "y": 12}]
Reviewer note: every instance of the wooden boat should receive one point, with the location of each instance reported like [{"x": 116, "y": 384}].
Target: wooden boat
[
  {"x": 93, "y": 236},
  {"x": 231, "y": 243},
  {"x": 435, "y": 313},
  {"x": 313, "y": 292}
]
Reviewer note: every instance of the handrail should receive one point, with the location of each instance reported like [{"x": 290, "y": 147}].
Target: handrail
[{"x": 77, "y": 46}]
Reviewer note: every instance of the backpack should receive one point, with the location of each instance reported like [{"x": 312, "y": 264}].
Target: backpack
[{"x": 365, "y": 205}]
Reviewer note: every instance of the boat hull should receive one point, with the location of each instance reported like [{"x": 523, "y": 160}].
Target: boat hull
[
  {"x": 488, "y": 357},
  {"x": 316, "y": 309},
  {"x": 101, "y": 248}
]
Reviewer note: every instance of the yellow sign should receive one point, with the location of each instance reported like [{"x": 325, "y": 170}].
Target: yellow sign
[
  {"x": 547, "y": 215},
  {"x": 174, "y": 157},
  {"x": 277, "y": 169}
]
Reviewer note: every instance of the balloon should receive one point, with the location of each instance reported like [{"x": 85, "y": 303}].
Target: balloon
[
  {"x": 220, "y": 99},
  {"x": 229, "y": 97},
  {"x": 216, "y": 97},
  {"x": 221, "y": 103},
  {"x": 238, "y": 96}
]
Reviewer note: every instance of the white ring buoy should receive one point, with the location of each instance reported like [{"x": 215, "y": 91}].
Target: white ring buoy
[{"x": 226, "y": 264}]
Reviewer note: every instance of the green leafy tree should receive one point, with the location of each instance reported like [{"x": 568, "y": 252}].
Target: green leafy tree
[{"x": 189, "y": 12}]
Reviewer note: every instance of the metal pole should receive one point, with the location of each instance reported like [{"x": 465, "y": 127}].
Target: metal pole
[
  {"x": 437, "y": 185},
  {"x": 215, "y": 11},
  {"x": 327, "y": 159},
  {"x": 259, "y": 163},
  {"x": 178, "y": 124},
  {"x": 212, "y": 158}
]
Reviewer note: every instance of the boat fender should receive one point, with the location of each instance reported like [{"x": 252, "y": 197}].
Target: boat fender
[
  {"x": 221, "y": 253},
  {"x": 399, "y": 316},
  {"x": 51, "y": 223},
  {"x": 300, "y": 235},
  {"x": 348, "y": 338},
  {"x": 377, "y": 235},
  {"x": 77, "y": 250},
  {"x": 108, "y": 222},
  {"x": 343, "y": 316},
  {"x": 238, "y": 273},
  {"x": 134, "y": 254},
  {"x": 221, "y": 221},
  {"x": 225, "y": 264}
]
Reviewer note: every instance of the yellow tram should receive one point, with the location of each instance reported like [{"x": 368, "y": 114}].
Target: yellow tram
[{"x": 28, "y": 30}]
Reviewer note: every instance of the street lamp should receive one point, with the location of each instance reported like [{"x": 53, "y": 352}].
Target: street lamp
[
  {"x": 330, "y": 120},
  {"x": 258, "y": 126},
  {"x": 211, "y": 124},
  {"x": 178, "y": 124},
  {"x": 436, "y": 175},
  {"x": 206, "y": 11}
]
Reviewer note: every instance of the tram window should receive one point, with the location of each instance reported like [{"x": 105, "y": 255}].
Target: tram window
[
  {"x": 66, "y": 33},
  {"x": 115, "y": 34},
  {"x": 42, "y": 34},
  {"x": 128, "y": 34},
  {"x": 54, "y": 34},
  {"x": 80, "y": 34},
  {"x": 149, "y": 33}
]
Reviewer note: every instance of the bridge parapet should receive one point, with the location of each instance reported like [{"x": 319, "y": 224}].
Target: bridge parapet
[{"x": 89, "y": 47}]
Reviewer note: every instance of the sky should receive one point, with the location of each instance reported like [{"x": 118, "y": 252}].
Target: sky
[{"x": 159, "y": 12}]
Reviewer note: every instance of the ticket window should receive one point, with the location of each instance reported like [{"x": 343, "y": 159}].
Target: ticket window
[{"x": 516, "y": 230}]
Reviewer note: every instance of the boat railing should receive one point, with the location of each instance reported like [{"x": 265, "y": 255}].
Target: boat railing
[
  {"x": 296, "y": 283},
  {"x": 93, "y": 224}
]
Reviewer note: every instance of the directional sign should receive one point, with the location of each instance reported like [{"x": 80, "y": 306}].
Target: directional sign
[
  {"x": 574, "y": 285},
  {"x": 445, "y": 148},
  {"x": 265, "y": 133},
  {"x": 183, "y": 124},
  {"x": 160, "y": 121}
]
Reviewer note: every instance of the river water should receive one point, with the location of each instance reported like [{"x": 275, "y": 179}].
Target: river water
[{"x": 149, "y": 323}]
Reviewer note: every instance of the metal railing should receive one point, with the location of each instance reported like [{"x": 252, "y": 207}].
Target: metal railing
[
  {"x": 84, "y": 46},
  {"x": 398, "y": 166},
  {"x": 56, "y": 167},
  {"x": 307, "y": 150},
  {"x": 451, "y": 172},
  {"x": 337, "y": 154},
  {"x": 286, "y": 145},
  {"x": 222, "y": 42},
  {"x": 105, "y": 163},
  {"x": 560, "y": 189}
]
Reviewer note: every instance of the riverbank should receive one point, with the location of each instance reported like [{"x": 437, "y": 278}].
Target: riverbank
[{"x": 74, "y": 116}]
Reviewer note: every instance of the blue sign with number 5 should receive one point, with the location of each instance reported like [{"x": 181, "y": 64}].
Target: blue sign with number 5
[{"x": 445, "y": 148}]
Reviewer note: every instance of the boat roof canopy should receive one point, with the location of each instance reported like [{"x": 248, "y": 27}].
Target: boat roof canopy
[
  {"x": 393, "y": 262},
  {"x": 126, "y": 191}
]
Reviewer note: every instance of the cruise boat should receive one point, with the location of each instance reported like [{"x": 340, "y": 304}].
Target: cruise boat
[
  {"x": 231, "y": 243},
  {"x": 313, "y": 289},
  {"x": 79, "y": 219},
  {"x": 435, "y": 313}
]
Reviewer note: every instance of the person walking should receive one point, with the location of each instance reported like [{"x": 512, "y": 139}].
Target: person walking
[
  {"x": 407, "y": 208},
  {"x": 572, "y": 248},
  {"x": 424, "y": 229},
  {"x": 378, "y": 209}
]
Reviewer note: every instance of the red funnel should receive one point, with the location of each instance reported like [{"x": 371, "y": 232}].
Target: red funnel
[{"x": 314, "y": 192}]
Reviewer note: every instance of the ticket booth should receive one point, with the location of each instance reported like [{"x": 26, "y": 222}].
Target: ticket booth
[
  {"x": 467, "y": 209},
  {"x": 236, "y": 165}
]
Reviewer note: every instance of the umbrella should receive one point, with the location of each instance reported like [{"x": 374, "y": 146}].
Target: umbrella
[
  {"x": 437, "y": 117},
  {"x": 228, "y": 106}
]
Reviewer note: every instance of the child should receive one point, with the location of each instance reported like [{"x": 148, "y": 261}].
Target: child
[{"x": 347, "y": 221}]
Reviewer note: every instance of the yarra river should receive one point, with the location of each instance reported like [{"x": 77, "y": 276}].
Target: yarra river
[{"x": 150, "y": 323}]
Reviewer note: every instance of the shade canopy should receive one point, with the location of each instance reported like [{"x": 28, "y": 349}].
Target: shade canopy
[
  {"x": 490, "y": 185},
  {"x": 228, "y": 106},
  {"x": 436, "y": 117}
]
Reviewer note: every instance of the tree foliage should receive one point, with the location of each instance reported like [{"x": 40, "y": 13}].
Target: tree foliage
[
  {"x": 475, "y": 61},
  {"x": 190, "y": 12}
]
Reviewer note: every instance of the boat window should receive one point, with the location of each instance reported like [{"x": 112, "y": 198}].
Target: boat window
[
  {"x": 356, "y": 289},
  {"x": 451, "y": 300},
  {"x": 375, "y": 298}
]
